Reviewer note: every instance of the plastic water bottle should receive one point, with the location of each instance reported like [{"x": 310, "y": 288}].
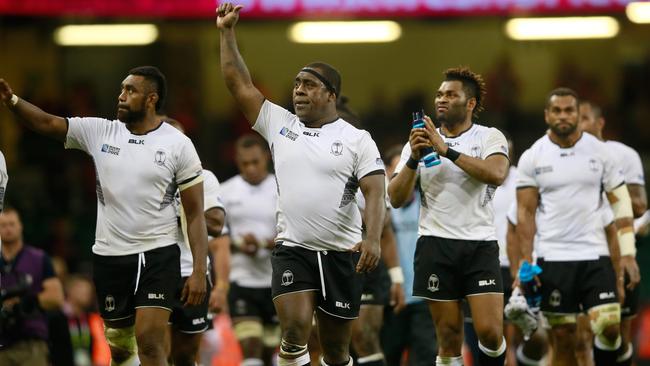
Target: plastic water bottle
[
  {"x": 532, "y": 291},
  {"x": 429, "y": 156}
]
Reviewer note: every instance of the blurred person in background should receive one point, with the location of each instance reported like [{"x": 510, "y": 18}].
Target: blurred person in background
[
  {"x": 189, "y": 323},
  {"x": 251, "y": 199},
  {"x": 629, "y": 162},
  {"x": 411, "y": 329},
  {"x": 140, "y": 163},
  {"x": 79, "y": 305},
  {"x": 320, "y": 162},
  {"x": 28, "y": 287}
]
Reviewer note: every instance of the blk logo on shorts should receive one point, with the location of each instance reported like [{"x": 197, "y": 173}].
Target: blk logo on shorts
[
  {"x": 434, "y": 283},
  {"x": 198, "y": 321},
  {"x": 342, "y": 305},
  {"x": 555, "y": 299},
  {"x": 109, "y": 303},
  {"x": 156, "y": 296},
  {"x": 606, "y": 295},
  {"x": 287, "y": 278},
  {"x": 491, "y": 282}
]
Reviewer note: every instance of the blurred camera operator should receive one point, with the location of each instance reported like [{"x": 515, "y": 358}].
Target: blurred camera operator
[{"x": 28, "y": 287}]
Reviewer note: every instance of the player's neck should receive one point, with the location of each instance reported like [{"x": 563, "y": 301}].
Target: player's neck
[
  {"x": 11, "y": 249},
  {"x": 455, "y": 129},
  {"x": 565, "y": 141},
  {"x": 144, "y": 126}
]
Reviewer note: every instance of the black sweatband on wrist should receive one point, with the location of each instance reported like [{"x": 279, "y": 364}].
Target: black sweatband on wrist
[
  {"x": 452, "y": 154},
  {"x": 412, "y": 163}
]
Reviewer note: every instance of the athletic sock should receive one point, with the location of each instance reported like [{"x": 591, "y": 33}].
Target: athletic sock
[
  {"x": 488, "y": 357},
  {"x": 449, "y": 361},
  {"x": 625, "y": 358},
  {"x": 605, "y": 354},
  {"x": 323, "y": 363},
  {"x": 252, "y": 362},
  {"x": 376, "y": 359},
  {"x": 303, "y": 360},
  {"x": 523, "y": 360}
]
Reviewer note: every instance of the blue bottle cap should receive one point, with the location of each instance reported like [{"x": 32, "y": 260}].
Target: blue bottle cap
[{"x": 528, "y": 271}]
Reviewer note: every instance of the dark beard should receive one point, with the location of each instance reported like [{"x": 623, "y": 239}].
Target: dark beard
[
  {"x": 131, "y": 116},
  {"x": 452, "y": 118},
  {"x": 563, "y": 132}
]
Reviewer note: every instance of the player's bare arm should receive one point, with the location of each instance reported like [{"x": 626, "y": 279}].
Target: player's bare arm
[
  {"x": 619, "y": 199},
  {"x": 527, "y": 202},
  {"x": 512, "y": 249},
  {"x": 220, "y": 249},
  {"x": 615, "y": 257},
  {"x": 194, "y": 290},
  {"x": 639, "y": 199},
  {"x": 400, "y": 188},
  {"x": 390, "y": 257},
  {"x": 235, "y": 73},
  {"x": 214, "y": 219},
  {"x": 373, "y": 189},
  {"x": 492, "y": 170},
  {"x": 33, "y": 117}
]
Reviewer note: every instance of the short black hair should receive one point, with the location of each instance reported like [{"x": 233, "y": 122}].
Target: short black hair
[
  {"x": 595, "y": 108},
  {"x": 330, "y": 74},
  {"x": 155, "y": 76},
  {"x": 250, "y": 140},
  {"x": 473, "y": 85},
  {"x": 562, "y": 92}
]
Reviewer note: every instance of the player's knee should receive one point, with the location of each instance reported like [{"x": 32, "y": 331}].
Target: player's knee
[
  {"x": 184, "y": 352},
  {"x": 366, "y": 341},
  {"x": 449, "y": 336},
  {"x": 564, "y": 336},
  {"x": 490, "y": 336},
  {"x": 151, "y": 342},
  {"x": 248, "y": 329},
  {"x": 122, "y": 343},
  {"x": 295, "y": 333},
  {"x": 605, "y": 321}
]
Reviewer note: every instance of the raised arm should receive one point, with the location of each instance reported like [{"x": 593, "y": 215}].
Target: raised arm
[
  {"x": 527, "y": 202},
  {"x": 235, "y": 73},
  {"x": 33, "y": 117}
]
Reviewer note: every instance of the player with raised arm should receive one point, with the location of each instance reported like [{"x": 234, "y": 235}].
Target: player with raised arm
[{"x": 319, "y": 250}]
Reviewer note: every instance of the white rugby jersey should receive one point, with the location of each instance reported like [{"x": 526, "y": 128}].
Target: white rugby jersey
[
  {"x": 318, "y": 172},
  {"x": 251, "y": 210},
  {"x": 137, "y": 178},
  {"x": 628, "y": 161},
  {"x": 569, "y": 180},
  {"x": 4, "y": 177},
  {"x": 455, "y": 205},
  {"x": 504, "y": 197},
  {"x": 211, "y": 200}
]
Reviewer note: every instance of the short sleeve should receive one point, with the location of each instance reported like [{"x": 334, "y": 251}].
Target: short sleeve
[
  {"x": 272, "y": 119},
  {"x": 368, "y": 158},
  {"x": 188, "y": 164},
  {"x": 83, "y": 132},
  {"x": 511, "y": 215},
  {"x": 612, "y": 175},
  {"x": 404, "y": 157},
  {"x": 526, "y": 170},
  {"x": 211, "y": 191},
  {"x": 495, "y": 143},
  {"x": 633, "y": 168}
]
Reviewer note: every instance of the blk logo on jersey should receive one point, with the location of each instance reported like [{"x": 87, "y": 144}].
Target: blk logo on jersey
[
  {"x": 337, "y": 148},
  {"x": 110, "y": 149},
  {"x": 160, "y": 157},
  {"x": 109, "y": 303},
  {"x": 136, "y": 142},
  {"x": 311, "y": 134},
  {"x": 288, "y": 134}
]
